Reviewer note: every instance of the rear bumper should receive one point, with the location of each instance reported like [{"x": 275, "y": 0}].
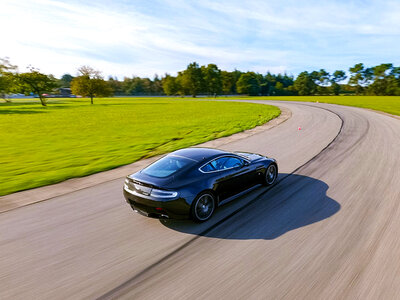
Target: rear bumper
[{"x": 171, "y": 209}]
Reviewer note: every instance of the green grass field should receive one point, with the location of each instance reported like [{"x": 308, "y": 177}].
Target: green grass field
[
  {"x": 388, "y": 104},
  {"x": 71, "y": 138}
]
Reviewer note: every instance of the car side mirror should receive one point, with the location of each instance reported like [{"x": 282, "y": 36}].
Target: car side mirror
[{"x": 245, "y": 163}]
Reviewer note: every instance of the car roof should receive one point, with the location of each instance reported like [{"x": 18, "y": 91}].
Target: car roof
[{"x": 199, "y": 154}]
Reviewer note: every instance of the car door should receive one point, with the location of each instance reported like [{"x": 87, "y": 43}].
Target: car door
[
  {"x": 232, "y": 175},
  {"x": 242, "y": 174}
]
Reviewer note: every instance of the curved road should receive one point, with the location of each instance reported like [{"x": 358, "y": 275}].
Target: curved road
[{"x": 330, "y": 229}]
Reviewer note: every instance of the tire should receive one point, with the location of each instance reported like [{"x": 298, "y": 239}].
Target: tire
[
  {"x": 271, "y": 174},
  {"x": 203, "y": 207}
]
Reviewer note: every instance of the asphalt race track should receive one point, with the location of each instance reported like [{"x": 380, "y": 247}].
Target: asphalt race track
[{"x": 330, "y": 228}]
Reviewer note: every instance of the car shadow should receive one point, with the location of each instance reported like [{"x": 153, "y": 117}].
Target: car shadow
[{"x": 267, "y": 213}]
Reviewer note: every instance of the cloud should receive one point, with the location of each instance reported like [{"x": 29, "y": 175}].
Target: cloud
[{"x": 122, "y": 38}]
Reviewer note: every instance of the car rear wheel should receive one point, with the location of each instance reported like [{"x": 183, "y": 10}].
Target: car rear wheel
[
  {"x": 203, "y": 207},
  {"x": 271, "y": 174}
]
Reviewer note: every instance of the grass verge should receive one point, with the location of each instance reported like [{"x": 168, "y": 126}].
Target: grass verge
[
  {"x": 388, "y": 104},
  {"x": 71, "y": 138}
]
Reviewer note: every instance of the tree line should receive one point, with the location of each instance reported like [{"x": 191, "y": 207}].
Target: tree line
[{"x": 383, "y": 79}]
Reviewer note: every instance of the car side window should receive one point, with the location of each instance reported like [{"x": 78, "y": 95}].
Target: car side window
[
  {"x": 215, "y": 165},
  {"x": 222, "y": 163},
  {"x": 233, "y": 162},
  {"x": 218, "y": 163},
  {"x": 208, "y": 168}
]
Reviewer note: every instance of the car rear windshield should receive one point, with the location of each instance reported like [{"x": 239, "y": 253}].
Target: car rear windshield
[{"x": 166, "y": 166}]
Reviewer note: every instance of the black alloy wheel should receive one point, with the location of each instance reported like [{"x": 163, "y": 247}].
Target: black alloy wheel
[
  {"x": 203, "y": 207},
  {"x": 271, "y": 174}
]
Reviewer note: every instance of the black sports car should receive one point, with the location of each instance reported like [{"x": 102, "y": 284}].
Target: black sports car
[{"x": 192, "y": 182}]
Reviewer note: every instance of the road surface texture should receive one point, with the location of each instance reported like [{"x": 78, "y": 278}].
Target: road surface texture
[{"x": 330, "y": 229}]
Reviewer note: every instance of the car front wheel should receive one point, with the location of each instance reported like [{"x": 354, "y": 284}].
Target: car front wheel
[
  {"x": 271, "y": 174},
  {"x": 203, "y": 207}
]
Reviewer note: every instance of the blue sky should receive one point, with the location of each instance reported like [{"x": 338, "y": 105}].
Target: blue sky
[{"x": 125, "y": 38}]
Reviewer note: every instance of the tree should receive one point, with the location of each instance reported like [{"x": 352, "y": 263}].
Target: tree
[
  {"x": 192, "y": 79},
  {"x": 137, "y": 86},
  {"x": 279, "y": 85},
  {"x": 7, "y": 78},
  {"x": 212, "y": 79},
  {"x": 156, "y": 85},
  {"x": 304, "y": 84},
  {"x": 115, "y": 85},
  {"x": 65, "y": 81},
  {"x": 263, "y": 87},
  {"x": 228, "y": 82},
  {"x": 90, "y": 83},
  {"x": 321, "y": 78},
  {"x": 337, "y": 76},
  {"x": 182, "y": 86},
  {"x": 37, "y": 83},
  {"x": 279, "y": 89},
  {"x": 395, "y": 75},
  {"x": 360, "y": 77},
  {"x": 384, "y": 82},
  {"x": 248, "y": 84},
  {"x": 170, "y": 85},
  {"x": 236, "y": 74},
  {"x": 270, "y": 81},
  {"x": 147, "y": 86},
  {"x": 127, "y": 86},
  {"x": 286, "y": 80}
]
